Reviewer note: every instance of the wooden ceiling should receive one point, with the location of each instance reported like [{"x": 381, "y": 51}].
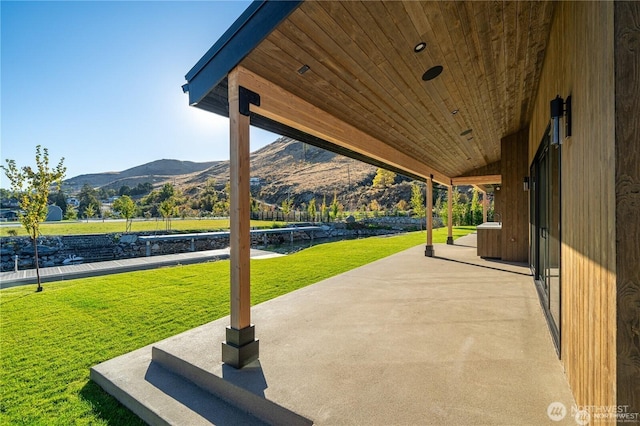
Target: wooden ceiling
[{"x": 364, "y": 71}]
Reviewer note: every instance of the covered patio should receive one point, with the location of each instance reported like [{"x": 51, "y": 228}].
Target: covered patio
[
  {"x": 409, "y": 339},
  {"x": 382, "y": 82},
  {"x": 529, "y": 100}
]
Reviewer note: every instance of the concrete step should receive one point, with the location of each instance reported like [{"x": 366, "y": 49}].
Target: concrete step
[
  {"x": 161, "y": 398},
  {"x": 243, "y": 389}
]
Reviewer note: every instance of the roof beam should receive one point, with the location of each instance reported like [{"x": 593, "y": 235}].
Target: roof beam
[
  {"x": 477, "y": 180},
  {"x": 279, "y": 105}
]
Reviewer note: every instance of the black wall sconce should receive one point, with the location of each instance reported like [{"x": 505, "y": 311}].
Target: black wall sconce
[
  {"x": 525, "y": 183},
  {"x": 560, "y": 109}
]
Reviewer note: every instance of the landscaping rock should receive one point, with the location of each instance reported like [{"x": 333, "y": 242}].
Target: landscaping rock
[{"x": 128, "y": 239}]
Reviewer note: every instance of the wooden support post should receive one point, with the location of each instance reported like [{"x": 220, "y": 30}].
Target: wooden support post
[
  {"x": 429, "y": 248},
  {"x": 240, "y": 347},
  {"x": 450, "y": 214}
]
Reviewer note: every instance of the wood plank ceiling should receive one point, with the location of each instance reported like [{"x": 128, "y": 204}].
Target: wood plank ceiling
[{"x": 364, "y": 70}]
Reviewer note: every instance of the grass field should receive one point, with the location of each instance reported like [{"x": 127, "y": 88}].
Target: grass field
[
  {"x": 51, "y": 339},
  {"x": 110, "y": 226}
]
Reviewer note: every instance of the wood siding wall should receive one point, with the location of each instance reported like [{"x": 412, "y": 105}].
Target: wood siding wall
[
  {"x": 580, "y": 62},
  {"x": 627, "y": 69},
  {"x": 515, "y": 201}
]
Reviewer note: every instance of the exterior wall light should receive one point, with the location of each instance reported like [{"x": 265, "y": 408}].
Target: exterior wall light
[
  {"x": 525, "y": 183},
  {"x": 560, "y": 109}
]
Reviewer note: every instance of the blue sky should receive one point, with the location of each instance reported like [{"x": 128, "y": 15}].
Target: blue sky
[{"x": 99, "y": 83}]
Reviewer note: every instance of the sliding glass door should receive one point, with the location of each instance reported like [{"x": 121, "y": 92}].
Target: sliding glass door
[{"x": 545, "y": 231}]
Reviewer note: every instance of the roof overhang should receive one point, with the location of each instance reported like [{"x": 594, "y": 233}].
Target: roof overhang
[{"x": 363, "y": 94}]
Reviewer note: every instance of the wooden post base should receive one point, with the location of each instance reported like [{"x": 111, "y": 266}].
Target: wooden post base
[{"x": 241, "y": 348}]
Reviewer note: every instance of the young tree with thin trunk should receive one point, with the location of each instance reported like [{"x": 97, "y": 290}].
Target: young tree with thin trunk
[
  {"x": 335, "y": 207},
  {"x": 167, "y": 210},
  {"x": 89, "y": 211},
  {"x": 32, "y": 186},
  {"x": 417, "y": 201},
  {"x": 312, "y": 209},
  {"x": 127, "y": 209}
]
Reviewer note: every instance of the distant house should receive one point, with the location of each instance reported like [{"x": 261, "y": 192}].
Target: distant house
[
  {"x": 8, "y": 215},
  {"x": 255, "y": 181},
  {"x": 11, "y": 203},
  {"x": 73, "y": 201},
  {"x": 54, "y": 214}
]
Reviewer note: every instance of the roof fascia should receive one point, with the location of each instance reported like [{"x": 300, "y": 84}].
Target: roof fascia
[{"x": 253, "y": 26}]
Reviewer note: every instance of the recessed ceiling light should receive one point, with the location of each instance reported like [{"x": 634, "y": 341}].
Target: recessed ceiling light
[
  {"x": 420, "y": 47},
  {"x": 455, "y": 111},
  {"x": 304, "y": 69},
  {"x": 432, "y": 73},
  {"x": 466, "y": 132}
]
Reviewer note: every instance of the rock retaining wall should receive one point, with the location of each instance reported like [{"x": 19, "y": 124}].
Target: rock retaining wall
[{"x": 55, "y": 250}]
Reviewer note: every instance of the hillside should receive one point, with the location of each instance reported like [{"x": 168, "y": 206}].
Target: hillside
[
  {"x": 285, "y": 169},
  {"x": 288, "y": 168},
  {"x": 156, "y": 171}
]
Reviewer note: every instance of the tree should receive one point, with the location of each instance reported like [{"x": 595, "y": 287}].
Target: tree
[
  {"x": 5, "y": 197},
  {"x": 442, "y": 210},
  {"x": 476, "y": 208},
  {"x": 127, "y": 209},
  {"x": 141, "y": 189},
  {"x": 33, "y": 187},
  {"x": 71, "y": 213},
  {"x": 124, "y": 190},
  {"x": 88, "y": 196},
  {"x": 324, "y": 210},
  {"x": 254, "y": 204},
  {"x": 311, "y": 209},
  {"x": 167, "y": 210},
  {"x": 208, "y": 197},
  {"x": 417, "y": 201},
  {"x": 286, "y": 206},
  {"x": 89, "y": 211},
  {"x": 374, "y": 206},
  {"x": 335, "y": 206},
  {"x": 383, "y": 178},
  {"x": 60, "y": 200},
  {"x": 167, "y": 192},
  {"x": 458, "y": 208},
  {"x": 105, "y": 194}
]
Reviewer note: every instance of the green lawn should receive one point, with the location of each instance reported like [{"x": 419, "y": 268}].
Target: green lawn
[
  {"x": 109, "y": 226},
  {"x": 51, "y": 339}
]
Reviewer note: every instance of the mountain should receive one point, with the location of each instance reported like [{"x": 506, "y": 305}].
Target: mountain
[
  {"x": 154, "y": 172},
  {"x": 284, "y": 169}
]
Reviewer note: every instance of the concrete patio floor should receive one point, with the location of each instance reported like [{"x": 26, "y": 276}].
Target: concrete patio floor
[{"x": 406, "y": 340}]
